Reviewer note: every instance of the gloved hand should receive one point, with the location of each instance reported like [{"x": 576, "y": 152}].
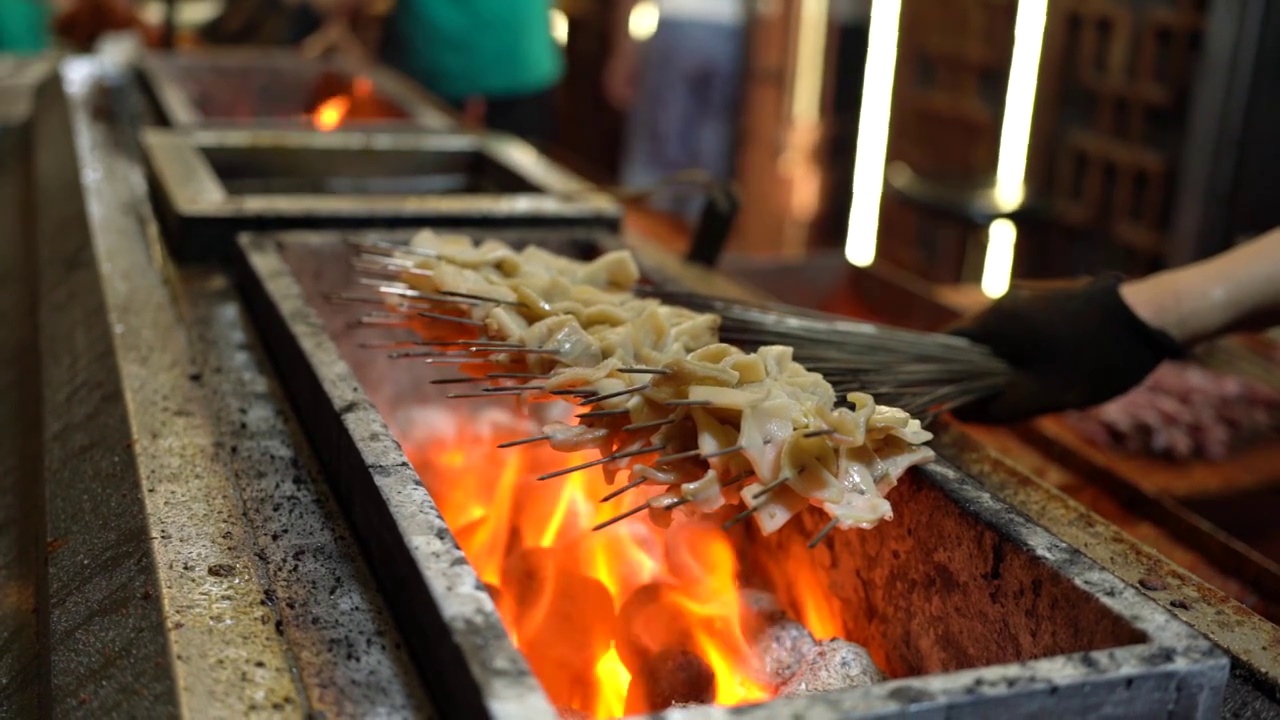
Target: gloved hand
[{"x": 1069, "y": 348}]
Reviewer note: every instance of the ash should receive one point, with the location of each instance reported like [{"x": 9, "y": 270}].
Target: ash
[
  {"x": 832, "y": 665},
  {"x": 792, "y": 662},
  {"x": 788, "y": 659},
  {"x": 781, "y": 649}
]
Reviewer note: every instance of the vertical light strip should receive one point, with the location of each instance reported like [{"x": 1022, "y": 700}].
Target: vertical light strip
[
  {"x": 559, "y": 27},
  {"x": 811, "y": 61},
  {"x": 642, "y": 23},
  {"x": 1015, "y": 141},
  {"x": 997, "y": 267},
  {"x": 873, "y": 132}
]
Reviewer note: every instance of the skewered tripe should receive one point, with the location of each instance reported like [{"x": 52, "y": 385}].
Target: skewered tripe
[{"x": 705, "y": 422}]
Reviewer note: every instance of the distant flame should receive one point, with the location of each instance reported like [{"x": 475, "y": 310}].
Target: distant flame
[
  {"x": 556, "y": 580},
  {"x": 330, "y": 114}
]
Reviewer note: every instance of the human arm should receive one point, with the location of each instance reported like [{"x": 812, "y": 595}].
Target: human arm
[
  {"x": 621, "y": 69},
  {"x": 1080, "y": 346},
  {"x": 1230, "y": 291},
  {"x": 348, "y": 27}
]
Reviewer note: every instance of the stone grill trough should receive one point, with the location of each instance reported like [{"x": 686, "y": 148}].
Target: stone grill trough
[
  {"x": 207, "y": 185},
  {"x": 277, "y": 88},
  {"x": 969, "y": 608}
]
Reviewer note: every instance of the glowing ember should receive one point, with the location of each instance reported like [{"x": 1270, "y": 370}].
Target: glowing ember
[
  {"x": 553, "y": 578},
  {"x": 362, "y": 87}
]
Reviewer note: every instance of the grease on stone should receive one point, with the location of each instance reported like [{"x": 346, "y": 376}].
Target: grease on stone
[
  {"x": 1154, "y": 584},
  {"x": 222, "y": 570}
]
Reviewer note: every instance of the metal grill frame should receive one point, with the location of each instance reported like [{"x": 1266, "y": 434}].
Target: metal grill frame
[
  {"x": 163, "y": 73},
  {"x": 202, "y": 216}
]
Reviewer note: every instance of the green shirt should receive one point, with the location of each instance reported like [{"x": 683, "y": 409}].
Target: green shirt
[
  {"x": 24, "y": 26},
  {"x": 465, "y": 48}
]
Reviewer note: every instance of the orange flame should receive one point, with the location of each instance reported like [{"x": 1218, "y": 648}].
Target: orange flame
[
  {"x": 553, "y": 578},
  {"x": 801, "y": 587},
  {"x": 330, "y": 114}
]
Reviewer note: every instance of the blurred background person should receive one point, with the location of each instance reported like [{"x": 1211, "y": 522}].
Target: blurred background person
[
  {"x": 680, "y": 92},
  {"x": 32, "y": 26},
  {"x": 24, "y": 26},
  {"x": 495, "y": 60}
]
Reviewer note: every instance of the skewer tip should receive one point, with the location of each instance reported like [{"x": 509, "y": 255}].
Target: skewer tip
[
  {"x": 826, "y": 530},
  {"x": 620, "y": 518}
]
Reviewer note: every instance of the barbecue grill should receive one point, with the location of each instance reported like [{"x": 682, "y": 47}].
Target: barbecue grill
[
  {"x": 210, "y": 184},
  {"x": 276, "y": 88},
  {"x": 22, "y": 82},
  {"x": 993, "y": 554},
  {"x": 233, "y": 526}
]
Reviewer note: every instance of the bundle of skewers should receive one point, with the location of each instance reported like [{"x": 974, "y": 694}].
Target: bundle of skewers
[{"x": 791, "y": 415}]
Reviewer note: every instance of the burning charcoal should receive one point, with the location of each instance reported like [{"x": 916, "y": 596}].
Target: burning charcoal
[
  {"x": 526, "y": 573},
  {"x": 780, "y": 649},
  {"x": 578, "y": 607},
  {"x": 565, "y": 621},
  {"x": 673, "y": 676},
  {"x": 832, "y": 665},
  {"x": 568, "y": 713},
  {"x": 650, "y": 620}
]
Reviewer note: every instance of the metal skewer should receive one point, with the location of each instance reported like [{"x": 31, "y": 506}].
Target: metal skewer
[
  {"x": 606, "y": 459},
  {"x": 604, "y": 413},
  {"x": 523, "y": 441},
  {"x": 752, "y": 510},
  {"x": 629, "y": 486},
  {"x": 686, "y": 403},
  {"x": 826, "y": 530},
  {"x": 609, "y": 396},
  {"x": 918, "y": 372},
  {"x": 620, "y": 518},
  {"x": 682, "y": 501},
  {"x": 473, "y": 395},
  {"x": 451, "y": 318},
  {"x": 650, "y": 424}
]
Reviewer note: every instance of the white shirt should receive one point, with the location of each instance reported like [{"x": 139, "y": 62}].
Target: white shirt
[
  {"x": 723, "y": 12},
  {"x": 849, "y": 12}
]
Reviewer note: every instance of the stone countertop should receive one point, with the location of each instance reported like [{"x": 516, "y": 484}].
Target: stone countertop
[{"x": 197, "y": 563}]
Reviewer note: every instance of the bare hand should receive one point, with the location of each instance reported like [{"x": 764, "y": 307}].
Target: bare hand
[{"x": 334, "y": 37}]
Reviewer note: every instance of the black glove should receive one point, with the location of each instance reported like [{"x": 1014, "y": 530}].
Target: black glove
[{"x": 1070, "y": 348}]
